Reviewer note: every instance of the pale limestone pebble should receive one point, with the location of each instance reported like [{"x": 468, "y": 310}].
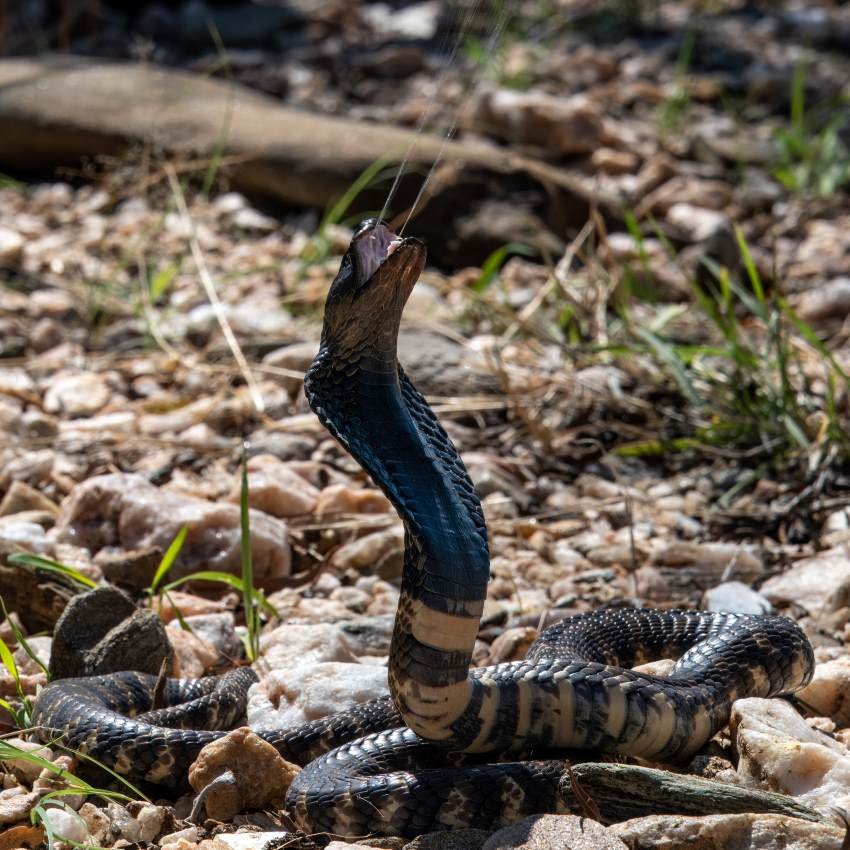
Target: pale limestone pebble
[
  {"x": 261, "y": 776},
  {"x": 820, "y": 584},
  {"x": 275, "y": 489},
  {"x": 23, "y": 770},
  {"x": 826, "y": 301},
  {"x": 16, "y": 382},
  {"x": 127, "y": 511},
  {"x": 29, "y": 684},
  {"x": 193, "y": 656},
  {"x": 289, "y": 697},
  {"x": 51, "y": 779},
  {"x": 181, "y": 419},
  {"x": 342, "y": 499},
  {"x": 23, "y": 497},
  {"x": 512, "y": 644},
  {"x": 379, "y": 552},
  {"x": 11, "y": 247},
  {"x": 497, "y": 505},
  {"x": 353, "y": 598},
  {"x": 98, "y": 823},
  {"x": 190, "y": 834},
  {"x": 35, "y": 467},
  {"x": 619, "y": 554},
  {"x": 28, "y": 536},
  {"x": 292, "y": 643},
  {"x": 218, "y": 630},
  {"x": 294, "y": 358},
  {"x": 40, "y": 645},
  {"x": 594, "y": 487},
  {"x": 11, "y": 415},
  {"x": 735, "y": 597},
  {"x": 188, "y": 605},
  {"x": 76, "y": 393},
  {"x": 16, "y": 803},
  {"x": 545, "y": 832},
  {"x": 66, "y": 825},
  {"x": 117, "y": 422},
  {"x": 829, "y": 691},
  {"x": 150, "y": 819},
  {"x": 565, "y": 125},
  {"x": 45, "y": 334},
  {"x": 259, "y": 840},
  {"x": 779, "y": 751},
  {"x": 735, "y": 559},
  {"x": 696, "y": 223},
  {"x": 727, "y": 832}
]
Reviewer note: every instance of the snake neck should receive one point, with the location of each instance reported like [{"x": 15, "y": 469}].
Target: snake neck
[{"x": 366, "y": 401}]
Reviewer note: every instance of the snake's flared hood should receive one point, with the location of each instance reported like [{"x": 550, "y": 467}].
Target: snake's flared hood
[{"x": 367, "y": 297}]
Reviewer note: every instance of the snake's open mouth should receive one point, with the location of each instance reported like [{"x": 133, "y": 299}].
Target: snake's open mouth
[{"x": 374, "y": 244}]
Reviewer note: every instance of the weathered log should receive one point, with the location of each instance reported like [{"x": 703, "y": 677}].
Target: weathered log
[
  {"x": 60, "y": 110},
  {"x": 624, "y": 791}
]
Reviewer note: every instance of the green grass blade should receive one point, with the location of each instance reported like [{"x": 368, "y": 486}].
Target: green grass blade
[
  {"x": 21, "y": 640},
  {"x": 251, "y": 613},
  {"x": 750, "y": 266},
  {"x": 668, "y": 354},
  {"x": 493, "y": 264},
  {"x": 169, "y": 558},
  {"x": 206, "y": 575},
  {"x": 27, "y": 559}
]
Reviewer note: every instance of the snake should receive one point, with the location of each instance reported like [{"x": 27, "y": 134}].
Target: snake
[{"x": 451, "y": 746}]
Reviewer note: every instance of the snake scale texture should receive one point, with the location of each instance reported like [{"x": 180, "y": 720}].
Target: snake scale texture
[{"x": 392, "y": 766}]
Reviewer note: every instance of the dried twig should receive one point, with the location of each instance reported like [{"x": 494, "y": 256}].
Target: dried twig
[{"x": 209, "y": 287}]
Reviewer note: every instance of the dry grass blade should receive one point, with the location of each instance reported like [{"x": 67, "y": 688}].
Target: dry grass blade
[{"x": 209, "y": 288}]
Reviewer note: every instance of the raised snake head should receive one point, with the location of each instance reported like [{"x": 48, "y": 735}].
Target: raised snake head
[{"x": 366, "y": 299}]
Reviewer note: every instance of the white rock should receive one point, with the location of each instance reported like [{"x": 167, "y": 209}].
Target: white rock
[
  {"x": 67, "y": 825},
  {"x": 735, "y": 597},
  {"x": 251, "y": 219},
  {"x": 830, "y": 300},
  {"x": 20, "y": 768},
  {"x": 275, "y": 489},
  {"x": 828, "y": 693},
  {"x": 254, "y": 840},
  {"x": 150, "y": 819},
  {"x": 11, "y": 246},
  {"x": 28, "y": 535},
  {"x": 295, "y": 643},
  {"x": 819, "y": 584},
  {"x": 727, "y": 832},
  {"x": 128, "y": 512},
  {"x": 288, "y": 698},
  {"x": 696, "y": 223},
  {"x": 779, "y": 751},
  {"x": 190, "y": 834},
  {"x": 76, "y": 394}
]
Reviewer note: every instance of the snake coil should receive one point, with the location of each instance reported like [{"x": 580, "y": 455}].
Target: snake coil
[{"x": 390, "y": 766}]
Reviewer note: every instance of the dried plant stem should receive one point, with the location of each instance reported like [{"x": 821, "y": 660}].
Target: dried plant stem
[{"x": 209, "y": 287}]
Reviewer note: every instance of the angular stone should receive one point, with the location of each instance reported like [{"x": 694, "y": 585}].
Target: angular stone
[
  {"x": 128, "y": 512},
  {"x": 102, "y": 631},
  {"x": 545, "y": 832},
  {"x": 820, "y": 584},
  {"x": 261, "y": 777},
  {"x": 728, "y": 832}
]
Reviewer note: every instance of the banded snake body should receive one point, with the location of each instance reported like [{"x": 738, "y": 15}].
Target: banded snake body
[{"x": 387, "y": 766}]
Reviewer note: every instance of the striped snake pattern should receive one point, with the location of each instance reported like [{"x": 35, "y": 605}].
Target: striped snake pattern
[{"x": 437, "y": 755}]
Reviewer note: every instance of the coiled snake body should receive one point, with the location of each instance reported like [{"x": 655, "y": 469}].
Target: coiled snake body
[{"x": 382, "y": 767}]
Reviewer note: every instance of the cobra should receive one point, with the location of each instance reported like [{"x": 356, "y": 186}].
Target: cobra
[{"x": 391, "y": 766}]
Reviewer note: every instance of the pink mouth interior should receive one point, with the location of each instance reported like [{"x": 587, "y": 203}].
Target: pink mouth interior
[{"x": 374, "y": 246}]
